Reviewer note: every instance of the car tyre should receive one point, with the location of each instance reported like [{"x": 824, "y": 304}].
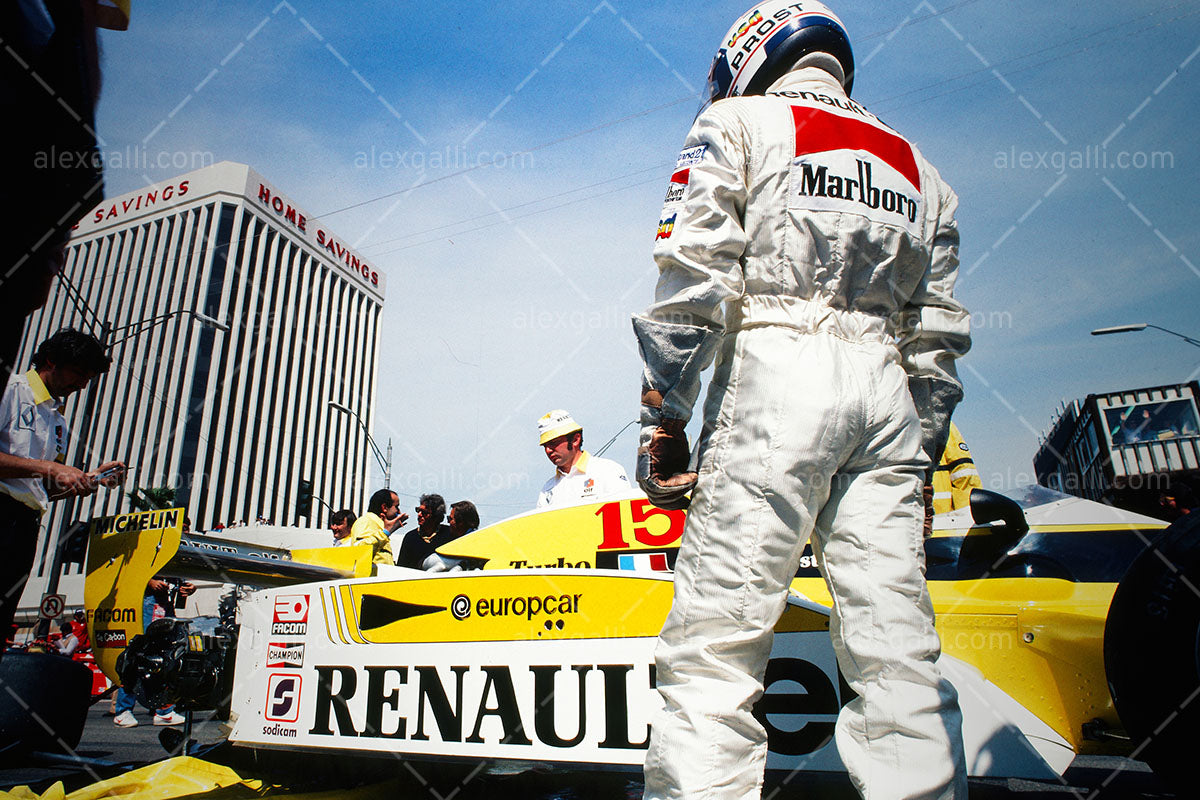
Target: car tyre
[
  {"x": 1152, "y": 650},
  {"x": 44, "y": 702}
]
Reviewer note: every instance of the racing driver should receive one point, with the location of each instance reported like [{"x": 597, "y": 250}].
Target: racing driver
[{"x": 812, "y": 251}]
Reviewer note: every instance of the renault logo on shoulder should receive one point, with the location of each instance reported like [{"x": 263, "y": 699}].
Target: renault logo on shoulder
[{"x": 460, "y": 607}]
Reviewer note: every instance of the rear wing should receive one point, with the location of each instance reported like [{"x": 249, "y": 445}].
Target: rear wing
[{"x": 127, "y": 550}]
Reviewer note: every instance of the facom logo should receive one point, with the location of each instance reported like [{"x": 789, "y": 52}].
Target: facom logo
[{"x": 291, "y": 615}]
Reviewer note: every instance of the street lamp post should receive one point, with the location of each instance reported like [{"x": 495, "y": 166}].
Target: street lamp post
[
  {"x": 384, "y": 463},
  {"x": 1141, "y": 326}
]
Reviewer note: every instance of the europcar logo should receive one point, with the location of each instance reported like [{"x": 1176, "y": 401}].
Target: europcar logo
[
  {"x": 529, "y": 606},
  {"x": 460, "y": 607},
  {"x": 291, "y": 615}
]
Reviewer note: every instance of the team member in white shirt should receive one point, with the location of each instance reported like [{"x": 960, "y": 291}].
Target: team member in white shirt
[
  {"x": 33, "y": 453},
  {"x": 580, "y": 477}
]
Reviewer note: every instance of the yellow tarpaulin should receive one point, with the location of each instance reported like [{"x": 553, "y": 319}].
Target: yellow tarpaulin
[{"x": 187, "y": 777}]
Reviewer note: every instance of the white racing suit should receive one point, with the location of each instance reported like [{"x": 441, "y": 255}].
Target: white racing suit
[{"x": 813, "y": 252}]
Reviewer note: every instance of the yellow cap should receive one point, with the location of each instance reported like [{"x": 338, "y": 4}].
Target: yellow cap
[{"x": 555, "y": 424}]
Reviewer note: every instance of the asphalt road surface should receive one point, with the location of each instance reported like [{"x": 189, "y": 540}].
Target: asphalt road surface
[{"x": 106, "y": 750}]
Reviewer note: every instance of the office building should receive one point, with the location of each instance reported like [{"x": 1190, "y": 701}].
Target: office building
[
  {"x": 235, "y": 321},
  {"x": 1126, "y": 447}
]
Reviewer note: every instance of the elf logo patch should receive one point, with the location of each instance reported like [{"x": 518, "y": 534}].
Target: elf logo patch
[{"x": 665, "y": 226}]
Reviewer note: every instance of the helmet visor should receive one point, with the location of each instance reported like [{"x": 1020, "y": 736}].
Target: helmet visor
[{"x": 720, "y": 79}]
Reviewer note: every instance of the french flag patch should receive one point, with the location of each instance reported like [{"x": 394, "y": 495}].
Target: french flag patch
[{"x": 643, "y": 562}]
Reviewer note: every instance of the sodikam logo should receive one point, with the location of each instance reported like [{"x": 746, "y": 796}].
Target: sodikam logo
[
  {"x": 283, "y": 697},
  {"x": 291, "y": 615}
]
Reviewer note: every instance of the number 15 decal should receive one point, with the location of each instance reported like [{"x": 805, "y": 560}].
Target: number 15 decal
[{"x": 662, "y": 529}]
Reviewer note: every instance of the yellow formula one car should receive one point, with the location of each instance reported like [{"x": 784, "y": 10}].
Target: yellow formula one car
[{"x": 537, "y": 645}]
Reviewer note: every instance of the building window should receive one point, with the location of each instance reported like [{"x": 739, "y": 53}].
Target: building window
[{"x": 1152, "y": 422}]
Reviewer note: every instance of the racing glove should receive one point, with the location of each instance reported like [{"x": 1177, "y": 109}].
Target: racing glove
[
  {"x": 935, "y": 401},
  {"x": 663, "y": 457}
]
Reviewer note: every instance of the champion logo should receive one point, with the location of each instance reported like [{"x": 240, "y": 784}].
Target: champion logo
[{"x": 285, "y": 654}]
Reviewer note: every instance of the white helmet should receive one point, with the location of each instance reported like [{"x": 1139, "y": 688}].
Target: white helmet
[{"x": 768, "y": 40}]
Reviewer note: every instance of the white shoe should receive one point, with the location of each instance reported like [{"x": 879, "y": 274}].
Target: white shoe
[
  {"x": 125, "y": 719},
  {"x": 174, "y": 718}
]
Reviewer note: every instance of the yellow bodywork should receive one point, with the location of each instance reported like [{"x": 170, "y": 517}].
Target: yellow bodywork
[
  {"x": 1038, "y": 639},
  {"x": 127, "y": 550},
  {"x": 354, "y": 560},
  {"x": 1041, "y": 640},
  {"x": 124, "y": 553}
]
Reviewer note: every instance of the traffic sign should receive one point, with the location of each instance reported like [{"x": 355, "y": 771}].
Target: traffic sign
[{"x": 52, "y": 606}]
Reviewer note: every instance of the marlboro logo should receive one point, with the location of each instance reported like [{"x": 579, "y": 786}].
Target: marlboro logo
[
  {"x": 820, "y": 131},
  {"x": 818, "y": 181}
]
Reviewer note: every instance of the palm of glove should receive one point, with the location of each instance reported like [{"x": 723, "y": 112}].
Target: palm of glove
[{"x": 663, "y": 466}]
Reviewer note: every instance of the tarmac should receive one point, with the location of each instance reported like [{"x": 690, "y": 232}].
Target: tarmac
[{"x": 106, "y": 750}]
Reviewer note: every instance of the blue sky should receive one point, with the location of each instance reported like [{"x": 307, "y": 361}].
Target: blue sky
[{"x": 519, "y": 153}]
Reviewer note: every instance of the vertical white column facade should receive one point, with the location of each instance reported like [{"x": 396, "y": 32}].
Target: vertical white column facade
[{"x": 232, "y": 420}]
